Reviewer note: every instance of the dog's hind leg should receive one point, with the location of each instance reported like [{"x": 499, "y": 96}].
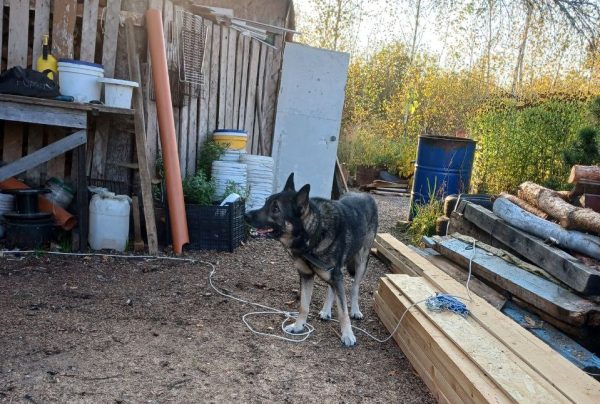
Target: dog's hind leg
[
  {"x": 360, "y": 268},
  {"x": 325, "y": 313}
]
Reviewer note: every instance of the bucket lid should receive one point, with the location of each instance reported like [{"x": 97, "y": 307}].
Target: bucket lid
[
  {"x": 106, "y": 80},
  {"x": 80, "y": 63},
  {"x": 230, "y": 131}
]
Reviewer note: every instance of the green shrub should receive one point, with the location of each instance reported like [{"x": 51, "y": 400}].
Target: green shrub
[
  {"x": 425, "y": 217},
  {"x": 198, "y": 189},
  {"x": 209, "y": 152},
  {"x": 584, "y": 149},
  {"x": 518, "y": 143}
]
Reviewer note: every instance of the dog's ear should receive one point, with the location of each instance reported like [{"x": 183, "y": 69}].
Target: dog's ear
[
  {"x": 302, "y": 198},
  {"x": 289, "y": 184}
]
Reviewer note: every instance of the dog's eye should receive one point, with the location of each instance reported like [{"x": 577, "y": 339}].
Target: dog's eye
[{"x": 275, "y": 208}]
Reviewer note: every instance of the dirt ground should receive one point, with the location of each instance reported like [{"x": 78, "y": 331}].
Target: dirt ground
[{"x": 81, "y": 329}]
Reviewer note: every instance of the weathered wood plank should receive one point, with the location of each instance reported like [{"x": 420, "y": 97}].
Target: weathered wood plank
[
  {"x": 18, "y": 25},
  {"x": 230, "y": 81},
  {"x": 192, "y": 136},
  {"x": 64, "y": 17},
  {"x": 152, "y": 143},
  {"x": 42, "y": 114},
  {"x": 244, "y": 82},
  {"x": 460, "y": 274},
  {"x": 35, "y": 141},
  {"x": 62, "y": 106},
  {"x": 213, "y": 92},
  {"x": 571, "y": 350},
  {"x": 223, "y": 60},
  {"x": 56, "y": 166},
  {"x": 140, "y": 142},
  {"x": 239, "y": 60},
  {"x": 251, "y": 93},
  {"x": 557, "y": 370},
  {"x": 184, "y": 117},
  {"x": 270, "y": 94},
  {"x": 555, "y": 261},
  {"x": 89, "y": 26},
  {"x": 1, "y": 35},
  {"x": 41, "y": 27},
  {"x": 111, "y": 34},
  {"x": 257, "y": 134},
  {"x": 513, "y": 376},
  {"x": 535, "y": 290},
  {"x": 203, "y": 119},
  {"x": 13, "y": 140},
  {"x": 109, "y": 55},
  {"x": 43, "y": 155}
]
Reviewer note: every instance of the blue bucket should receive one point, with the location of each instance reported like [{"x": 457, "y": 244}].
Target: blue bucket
[{"x": 443, "y": 167}]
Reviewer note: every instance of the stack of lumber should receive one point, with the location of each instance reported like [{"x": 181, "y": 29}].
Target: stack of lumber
[
  {"x": 381, "y": 187},
  {"x": 485, "y": 357}
]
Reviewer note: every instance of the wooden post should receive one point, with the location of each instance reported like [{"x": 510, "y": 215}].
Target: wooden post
[{"x": 140, "y": 141}]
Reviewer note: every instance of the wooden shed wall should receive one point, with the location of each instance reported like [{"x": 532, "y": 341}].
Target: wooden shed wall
[{"x": 241, "y": 78}]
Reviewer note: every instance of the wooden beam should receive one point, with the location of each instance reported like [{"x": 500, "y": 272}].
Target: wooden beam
[
  {"x": 458, "y": 273},
  {"x": 575, "y": 353},
  {"x": 548, "y": 363},
  {"x": 533, "y": 289},
  {"x": 140, "y": 142},
  {"x": 446, "y": 357},
  {"x": 42, "y": 155},
  {"x": 555, "y": 261},
  {"x": 509, "y": 372}
]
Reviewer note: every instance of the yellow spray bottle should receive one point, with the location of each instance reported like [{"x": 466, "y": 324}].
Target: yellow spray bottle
[{"x": 46, "y": 61}]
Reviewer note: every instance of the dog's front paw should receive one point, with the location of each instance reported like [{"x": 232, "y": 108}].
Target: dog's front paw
[
  {"x": 348, "y": 339},
  {"x": 295, "y": 328},
  {"x": 356, "y": 315},
  {"x": 325, "y": 315}
]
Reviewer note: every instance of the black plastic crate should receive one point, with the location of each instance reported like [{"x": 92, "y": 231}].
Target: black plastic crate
[{"x": 220, "y": 228}]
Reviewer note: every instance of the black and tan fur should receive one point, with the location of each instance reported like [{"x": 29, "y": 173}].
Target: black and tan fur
[{"x": 325, "y": 238}]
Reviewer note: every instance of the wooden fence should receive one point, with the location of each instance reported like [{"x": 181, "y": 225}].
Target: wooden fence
[{"x": 241, "y": 77}]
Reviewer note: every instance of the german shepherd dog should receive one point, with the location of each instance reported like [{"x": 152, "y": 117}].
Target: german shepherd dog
[{"x": 324, "y": 237}]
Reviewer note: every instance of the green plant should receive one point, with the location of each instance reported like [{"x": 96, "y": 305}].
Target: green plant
[
  {"x": 233, "y": 188},
  {"x": 520, "y": 142},
  {"x": 584, "y": 149},
  {"x": 198, "y": 189},
  {"x": 425, "y": 217},
  {"x": 209, "y": 152}
]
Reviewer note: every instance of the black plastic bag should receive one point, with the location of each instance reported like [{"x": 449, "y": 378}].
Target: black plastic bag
[{"x": 28, "y": 82}]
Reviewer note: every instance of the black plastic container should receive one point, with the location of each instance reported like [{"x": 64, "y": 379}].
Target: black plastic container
[{"x": 220, "y": 228}]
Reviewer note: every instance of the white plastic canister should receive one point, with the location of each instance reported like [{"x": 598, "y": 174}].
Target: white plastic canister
[
  {"x": 118, "y": 93},
  {"x": 109, "y": 221}
]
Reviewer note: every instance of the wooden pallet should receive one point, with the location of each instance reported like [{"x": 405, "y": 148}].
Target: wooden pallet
[{"x": 519, "y": 366}]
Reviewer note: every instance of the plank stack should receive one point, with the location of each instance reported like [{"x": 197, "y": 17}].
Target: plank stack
[{"x": 484, "y": 357}]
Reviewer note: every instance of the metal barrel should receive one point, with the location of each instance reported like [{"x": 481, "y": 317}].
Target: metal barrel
[{"x": 443, "y": 167}]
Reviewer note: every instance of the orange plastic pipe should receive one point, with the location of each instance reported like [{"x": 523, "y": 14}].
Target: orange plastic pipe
[
  {"x": 166, "y": 125},
  {"x": 62, "y": 218}
]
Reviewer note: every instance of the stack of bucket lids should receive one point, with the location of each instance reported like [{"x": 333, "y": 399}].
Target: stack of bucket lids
[
  {"x": 232, "y": 155},
  {"x": 260, "y": 179},
  {"x": 224, "y": 172}
]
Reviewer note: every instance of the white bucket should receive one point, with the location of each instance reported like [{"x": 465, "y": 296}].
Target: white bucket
[
  {"x": 79, "y": 80},
  {"x": 109, "y": 222},
  {"x": 117, "y": 93},
  {"x": 260, "y": 179},
  {"x": 223, "y": 172}
]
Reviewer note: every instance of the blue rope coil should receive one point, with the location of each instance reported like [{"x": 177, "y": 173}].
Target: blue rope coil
[{"x": 441, "y": 302}]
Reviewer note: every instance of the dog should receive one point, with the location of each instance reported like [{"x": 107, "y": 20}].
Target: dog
[{"x": 324, "y": 237}]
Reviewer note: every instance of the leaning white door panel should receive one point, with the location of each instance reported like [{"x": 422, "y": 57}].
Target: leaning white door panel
[{"x": 308, "y": 119}]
